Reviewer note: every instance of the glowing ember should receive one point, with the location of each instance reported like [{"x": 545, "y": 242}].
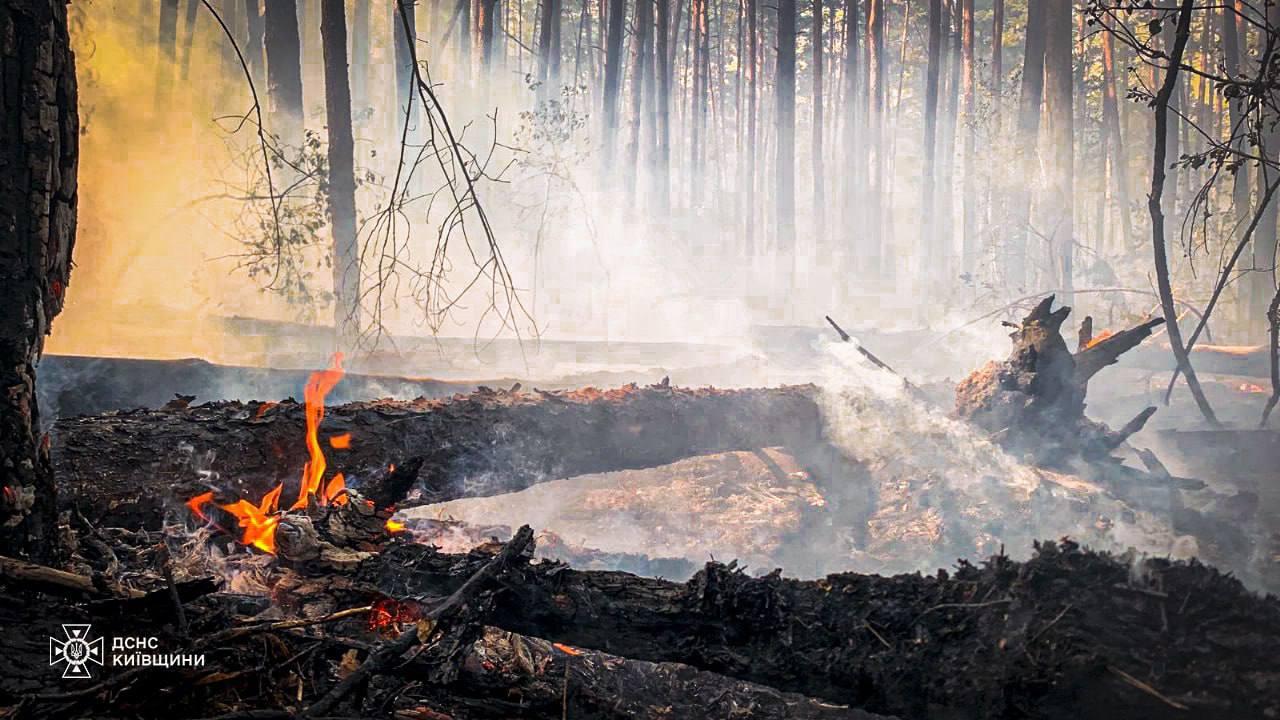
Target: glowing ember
[
  {"x": 388, "y": 613},
  {"x": 394, "y": 526},
  {"x": 1248, "y": 387},
  {"x": 259, "y": 521},
  {"x": 1098, "y": 338}
]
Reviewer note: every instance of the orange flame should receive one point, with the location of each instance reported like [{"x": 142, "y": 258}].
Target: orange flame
[
  {"x": 318, "y": 386},
  {"x": 261, "y": 520},
  {"x": 1098, "y": 338},
  {"x": 1251, "y": 388},
  {"x": 394, "y": 526}
]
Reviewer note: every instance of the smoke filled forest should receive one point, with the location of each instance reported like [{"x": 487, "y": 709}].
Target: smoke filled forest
[{"x": 663, "y": 359}]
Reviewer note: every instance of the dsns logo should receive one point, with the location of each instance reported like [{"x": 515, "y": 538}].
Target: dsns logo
[{"x": 77, "y": 651}]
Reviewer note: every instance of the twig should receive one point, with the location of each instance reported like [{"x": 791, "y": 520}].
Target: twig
[
  {"x": 1135, "y": 682},
  {"x": 386, "y": 653},
  {"x": 952, "y": 606}
]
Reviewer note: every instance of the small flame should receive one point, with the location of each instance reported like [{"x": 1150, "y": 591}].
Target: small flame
[
  {"x": 1098, "y": 338},
  {"x": 261, "y": 520},
  {"x": 318, "y": 386},
  {"x": 394, "y": 526},
  {"x": 566, "y": 649},
  {"x": 1249, "y": 387},
  {"x": 387, "y": 613}
]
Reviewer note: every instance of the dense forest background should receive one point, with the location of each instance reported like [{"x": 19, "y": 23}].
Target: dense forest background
[{"x": 668, "y": 168}]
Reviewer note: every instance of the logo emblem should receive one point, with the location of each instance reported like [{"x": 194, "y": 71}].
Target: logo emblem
[{"x": 77, "y": 651}]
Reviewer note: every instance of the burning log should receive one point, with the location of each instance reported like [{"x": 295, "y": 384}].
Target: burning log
[
  {"x": 1033, "y": 402},
  {"x": 126, "y": 468}
]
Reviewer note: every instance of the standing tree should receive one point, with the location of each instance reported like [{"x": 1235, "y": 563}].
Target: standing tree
[
  {"x": 167, "y": 41},
  {"x": 39, "y": 151},
  {"x": 1114, "y": 138},
  {"x": 284, "y": 67},
  {"x": 928, "y": 249},
  {"x": 819, "y": 189},
  {"x": 612, "y": 81},
  {"x": 345, "y": 256},
  {"x": 1059, "y": 118},
  {"x": 785, "y": 190},
  {"x": 405, "y": 31},
  {"x": 1028, "y": 136},
  {"x": 253, "y": 47}
]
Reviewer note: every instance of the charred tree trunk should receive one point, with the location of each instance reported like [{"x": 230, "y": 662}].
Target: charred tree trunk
[
  {"x": 1262, "y": 279},
  {"x": 39, "y": 142},
  {"x": 855, "y": 256},
  {"x": 1234, "y": 38},
  {"x": 342, "y": 181},
  {"x": 487, "y": 443},
  {"x": 1059, "y": 117},
  {"x": 284, "y": 67},
  {"x": 877, "y": 169},
  {"x": 548, "y": 53},
  {"x": 1028, "y": 137},
  {"x": 785, "y": 151}
]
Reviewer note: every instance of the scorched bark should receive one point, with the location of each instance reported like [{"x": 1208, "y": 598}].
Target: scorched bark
[{"x": 126, "y": 468}]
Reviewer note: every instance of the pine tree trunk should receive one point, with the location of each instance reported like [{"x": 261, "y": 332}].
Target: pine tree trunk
[
  {"x": 641, "y": 50},
  {"x": 486, "y": 28},
  {"x": 39, "y": 151},
  {"x": 1030, "y": 96},
  {"x": 612, "y": 82},
  {"x": 928, "y": 249},
  {"x": 819, "y": 186},
  {"x": 405, "y": 31},
  {"x": 785, "y": 149},
  {"x": 253, "y": 48},
  {"x": 1115, "y": 138},
  {"x": 342, "y": 183},
  {"x": 1262, "y": 280},
  {"x": 969, "y": 198},
  {"x": 284, "y": 67},
  {"x": 874, "y": 132},
  {"x": 662, "y": 171},
  {"x": 189, "y": 36},
  {"x": 947, "y": 140},
  {"x": 1059, "y": 117},
  {"x": 752, "y": 68},
  {"x": 167, "y": 40},
  {"x": 854, "y": 161},
  {"x": 360, "y": 51}
]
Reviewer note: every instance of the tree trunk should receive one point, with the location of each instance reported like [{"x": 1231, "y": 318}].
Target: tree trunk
[
  {"x": 1262, "y": 279},
  {"x": 1115, "y": 139},
  {"x": 662, "y": 169},
  {"x": 1029, "y": 98},
  {"x": 641, "y": 64},
  {"x": 929, "y": 249},
  {"x": 819, "y": 184},
  {"x": 1155, "y": 205},
  {"x": 785, "y": 149},
  {"x": 969, "y": 198},
  {"x": 874, "y": 134},
  {"x": 752, "y": 68},
  {"x": 342, "y": 184},
  {"x": 253, "y": 48},
  {"x": 854, "y": 257},
  {"x": 1059, "y": 116},
  {"x": 612, "y": 82},
  {"x": 486, "y": 30},
  {"x": 486, "y": 443},
  {"x": 39, "y": 143},
  {"x": 284, "y": 67},
  {"x": 360, "y": 53},
  {"x": 405, "y": 31},
  {"x": 189, "y": 36},
  {"x": 1233, "y": 33},
  {"x": 167, "y": 40},
  {"x": 548, "y": 50}
]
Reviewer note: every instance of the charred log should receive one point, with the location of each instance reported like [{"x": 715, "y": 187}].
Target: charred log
[
  {"x": 1055, "y": 636},
  {"x": 125, "y": 468},
  {"x": 1033, "y": 402}
]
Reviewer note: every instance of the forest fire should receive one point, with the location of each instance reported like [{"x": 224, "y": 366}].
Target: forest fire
[{"x": 259, "y": 521}]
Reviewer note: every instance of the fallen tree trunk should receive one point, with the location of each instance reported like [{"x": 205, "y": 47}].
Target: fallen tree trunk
[
  {"x": 126, "y": 468},
  {"x": 1063, "y": 635}
]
